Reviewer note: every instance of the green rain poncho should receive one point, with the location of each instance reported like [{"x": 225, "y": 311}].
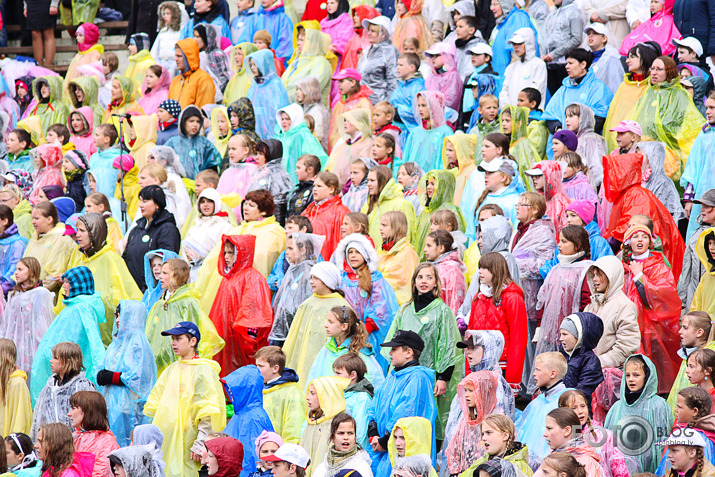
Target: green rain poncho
[
  {"x": 445, "y": 183},
  {"x": 52, "y": 111},
  {"x": 182, "y": 305},
  {"x": 90, "y": 87},
  {"x": 297, "y": 140},
  {"x": 311, "y": 61},
  {"x": 667, "y": 114},
  {"x": 520, "y": 146},
  {"x": 437, "y": 327},
  {"x": 650, "y": 408},
  {"x": 238, "y": 85}
]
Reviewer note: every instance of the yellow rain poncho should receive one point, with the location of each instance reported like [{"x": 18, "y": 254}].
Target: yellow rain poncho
[
  {"x": 332, "y": 401},
  {"x": 187, "y": 393},
  {"x": 145, "y": 128},
  {"x": 315, "y": 59},
  {"x": 391, "y": 198},
  {"x": 131, "y": 191},
  {"x": 471, "y": 260},
  {"x": 33, "y": 125},
  {"x": 225, "y": 207},
  {"x": 397, "y": 266},
  {"x": 704, "y": 297},
  {"x": 625, "y": 99},
  {"x": 136, "y": 69},
  {"x": 114, "y": 233},
  {"x": 520, "y": 147},
  {"x": 182, "y": 305},
  {"x": 284, "y": 401},
  {"x": 666, "y": 113},
  {"x": 307, "y": 333},
  {"x": 90, "y": 87},
  {"x": 539, "y": 136},
  {"x": 91, "y": 55},
  {"x": 23, "y": 219},
  {"x": 127, "y": 104},
  {"x": 53, "y": 250},
  {"x": 465, "y": 146},
  {"x": 270, "y": 242},
  {"x": 418, "y": 437},
  {"x": 16, "y": 409},
  {"x": 220, "y": 143},
  {"x": 240, "y": 82}
]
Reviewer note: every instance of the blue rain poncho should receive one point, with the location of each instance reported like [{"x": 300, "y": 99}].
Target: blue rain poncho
[
  {"x": 323, "y": 363},
  {"x": 530, "y": 424},
  {"x": 12, "y": 247},
  {"x": 424, "y": 146},
  {"x": 700, "y": 171},
  {"x": 151, "y": 436},
  {"x": 513, "y": 20},
  {"x": 267, "y": 93},
  {"x": 599, "y": 248},
  {"x": 129, "y": 354},
  {"x": 100, "y": 163},
  {"x": 608, "y": 68},
  {"x": 218, "y": 21},
  {"x": 195, "y": 152},
  {"x": 403, "y": 99},
  {"x": 405, "y": 393},
  {"x": 153, "y": 286},
  {"x": 649, "y": 406},
  {"x": 78, "y": 323},
  {"x": 297, "y": 140},
  {"x": 279, "y": 25},
  {"x": 590, "y": 91},
  {"x": 244, "y": 388},
  {"x": 358, "y": 399}
]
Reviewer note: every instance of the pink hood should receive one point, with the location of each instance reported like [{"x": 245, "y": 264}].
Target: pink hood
[
  {"x": 91, "y": 36},
  {"x": 151, "y": 100},
  {"x": 436, "y": 104},
  {"x": 659, "y": 28}
]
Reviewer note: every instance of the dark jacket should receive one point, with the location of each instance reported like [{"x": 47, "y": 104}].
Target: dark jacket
[
  {"x": 160, "y": 233},
  {"x": 584, "y": 372},
  {"x": 76, "y": 190},
  {"x": 696, "y": 18},
  {"x": 288, "y": 376},
  {"x": 163, "y": 135},
  {"x": 300, "y": 198},
  {"x": 143, "y": 17}
]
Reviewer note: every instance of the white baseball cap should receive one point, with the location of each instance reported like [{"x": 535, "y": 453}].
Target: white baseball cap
[
  {"x": 497, "y": 165},
  {"x": 481, "y": 48},
  {"x": 292, "y": 453},
  {"x": 692, "y": 43},
  {"x": 599, "y": 28},
  {"x": 684, "y": 437},
  {"x": 516, "y": 38}
]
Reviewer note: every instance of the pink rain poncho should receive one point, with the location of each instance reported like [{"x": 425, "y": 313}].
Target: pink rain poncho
[
  {"x": 83, "y": 142},
  {"x": 659, "y": 28},
  {"x": 412, "y": 24},
  {"x": 51, "y": 171},
  {"x": 556, "y": 199},
  {"x": 153, "y": 97},
  {"x": 425, "y": 143},
  {"x": 577, "y": 187},
  {"x": 465, "y": 446},
  {"x": 451, "y": 272},
  {"x": 340, "y": 30},
  {"x": 449, "y": 83}
]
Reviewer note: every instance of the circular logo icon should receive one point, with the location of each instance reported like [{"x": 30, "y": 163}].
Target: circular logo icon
[{"x": 634, "y": 435}]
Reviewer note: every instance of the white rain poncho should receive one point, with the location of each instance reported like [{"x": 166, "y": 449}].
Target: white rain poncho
[
  {"x": 129, "y": 354},
  {"x": 149, "y": 434},
  {"x": 419, "y": 465},
  {"x": 53, "y": 404},
  {"x": 608, "y": 68},
  {"x": 591, "y": 146},
  {"x": 137, "y": 461},
  {"x": 295, "y": 287},
  {"x": 658, "y": 183}
]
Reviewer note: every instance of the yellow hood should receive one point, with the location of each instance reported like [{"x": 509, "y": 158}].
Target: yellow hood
[{"x": 330, "y": 393}]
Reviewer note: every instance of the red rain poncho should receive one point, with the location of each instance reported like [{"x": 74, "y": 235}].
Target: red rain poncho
[
  {"x": 659, "y": 319},
  {"x": 556, "y": 198},
  {"x": 327, "y": 219},
  {"x": 622, "y": 186},
  {"x": 243, "y": 303}
]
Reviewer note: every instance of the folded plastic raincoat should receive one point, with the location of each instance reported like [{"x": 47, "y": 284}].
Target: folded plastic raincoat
[
  {"x": 510, "y": 21},
  {"x": 417, "y": 431},
  {"x": 50, "y": 173},
  {"x": 297, "y": 140},
  {"x": 521, "y": 148},
  {"x": 648, "y": 406},
  {"x": 127, "y": 104},
  {"x": 348, "y": 149},
  {"x": 285, "y": 403},
  {"x": 52, "y": 250},
  {"x": 307, "y": 333},
  {"x": 314, "y": 60},
  {"x": 378, "y": 307},
  {"x": 666, "y": 113},
  {"x": 195, "y": 152},
  {"x": 622, "y": 186},
  {"x": 53, "y": 402},
  {"x": 129, "y": 354},
  {"x": 590, "y": 91},
  {"x": 332, "y": 402},
  {"x": 182, "y": 305},
  {"x": 244, "y": 388},
  {"x": 437, "y": 327},
  {"x": 624, "y": 101},
  {"x": 153, "y": 290},
  {"x": 391, "y": 198},
  {"x": 189, "y": 392},
  {"x": 295, "y": 287},
  {"x": 397, "y": 266},
  {"x": 16, "y": 407},
  {"x": 405, "y": 393},
  {"x": 658, "y": 182},
  {"x": 239, "y": 83},
  {"x": 700, "y": 171},
  {"x": 266, "y": 92},
  {"x": 78, "y": 323},
  {"x": 441, "y": 199},
  {"x": 659, "y": 28}
]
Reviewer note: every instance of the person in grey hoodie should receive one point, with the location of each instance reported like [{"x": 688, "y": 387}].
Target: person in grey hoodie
[
  {"x": 378, "y": 64},
  {"x": 562, "y": 30}
]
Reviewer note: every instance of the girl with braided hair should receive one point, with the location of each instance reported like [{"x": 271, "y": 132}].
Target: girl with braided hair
[
  {"x": 686, "y": 455},
  {"x": 499, "y": 438}
]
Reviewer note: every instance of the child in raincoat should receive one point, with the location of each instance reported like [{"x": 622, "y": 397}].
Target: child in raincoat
[
  {"x": 81, "y": 127},
  {"x": 47, "y": 160},
  {"x": 187, "y": 402},
  {"x": 129, "y": 371},
  {"x": 547, "y": 180},
  {"x": 563, "y": 432},
  {"x": 88, "y": 416},
  {"x": 250, "y": 421},
  {"x": 154, "y": 88},
  {"x": 105, "y": 139},
  {"x": 15, "y": 406},
  {"x": 47, "y": 104},
  {"x": 140, "y": 59},
  {"x": 388, "y": 196},
  {"x": 339, "y": 25},
  {"x": 241, "y": 310},
  {"x": 440, "y": 250},
  {"x": 580, "y": 333},
  {"x": 327, "y": 211},
  {"x": 514, "y": 122},
  {"x": 706, "y": 251},
  {"x": 101, "y": 204},
  {"x": 325, "y": 401},
  {"x": 302, "y": 252},
  {"x": 13, "y": 246},
  {"x": 425, "y": 142},
  {"x": 53, "y": 402},
  {"x": 283, "y": 399},
  {"x": 88, "y": 46},
  {"x": 18, "y": 143},
  {"x": 649, "y": 283},
  {"x": 179, "y": 299},
  {"x": 367, "y": 291},
  {"x": 458, "y": 153},
  {"x": 355, "y": 141},
  {"x": 83, "y": 91},
  {"x": 408, "y": 176},
  {"x": 239, "y": 83},
  {"x": 74, "y": 167},
  {"x": 353, "y": 95},
  {"x": 410, "y": 438},
  {"x": 659, "y": 28},
  {"x": 411, "y": 24},
  {"x": 168, "y": 33},
  {"x": 438, "y": 194},
  {"x": 153, "y": 262},
  {"x": 344, "y": 454},
  {"x": 296, "y": 138},
  {"x": 345, "y": 334},
  {"x": 195, "y": 151},
  {"x": 123, "y": 101},
  {"x": 358, "y": 395},
  {"x": 236, "y": 178},
  {"x": 267, "y": 93},
  {"x": 312, "y": 57},
  {"x": 445, "y": 77},
  {"x": 220, "y": 132},
  {"x": 397, "y": 258},
  {"x": 356, "y": 196},
  {"x": 641, "y": 400},
  {"x": 591, "y": 146},
  {"x": 307, "y": 94},
  {"x": 499, "y": 435},
  {"x": 428, "y": 315}
]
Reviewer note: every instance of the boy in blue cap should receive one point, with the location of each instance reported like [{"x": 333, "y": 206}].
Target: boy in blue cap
[{"x": 187, "y": 402}]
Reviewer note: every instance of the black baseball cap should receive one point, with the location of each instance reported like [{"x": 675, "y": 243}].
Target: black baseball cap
[
  {"x": 466, "y": 342},
  {"x": 405, "y": 338},
  {"x": 183, "y": 328}
]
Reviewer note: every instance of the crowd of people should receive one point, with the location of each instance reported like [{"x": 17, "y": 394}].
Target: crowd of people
[{"x": 394, "y": 238}]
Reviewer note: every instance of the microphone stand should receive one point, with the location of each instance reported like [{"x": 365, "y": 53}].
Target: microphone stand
[{"x": 122, "y": 200}]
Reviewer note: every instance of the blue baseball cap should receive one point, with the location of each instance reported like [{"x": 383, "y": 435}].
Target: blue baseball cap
[{"x": 183, "y": 328}]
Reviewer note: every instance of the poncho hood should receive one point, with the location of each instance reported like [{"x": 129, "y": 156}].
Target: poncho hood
[
  {"x": 485, "y": 385},
  {"x": 362, "y": 244},
  {"x": 190, "y": 49},
  {"x": 650, "y": 388},
  {"x": 88, "y": 118},
  {"x": 209, "y": 34},
  {"x": 145, "y": 128},
  {"x": 418, "y": 437},
  {"x": 553, "y": 178},
  {"x": 153, "y": 286},
  {"x": 55, "y": 85},
  {"x": 391, "y": 191},
  {"x": 590, "y": 330},
  {"x": 264, "y": 62},
  {"x": 91, "y": 36},
  {"x": 244, "y": 387},
  {"x": 586, "y": 119},
  {"x": 436, "y": 105},
  {"x": 275, "y": 150},
  {"x": 360, "y": 119},
  {"x": 229, "y": 454},
  {"x": 529, "y": 42},
  {"x": 704, "y": 254},
  {"x": 247, "y": 49},
  {"x": 97, "y": 227},
  {"x": 164, "y": 82},
  {"x": 245, "y": 246},
  {"x": 465, "y": 146},
  {"x": 444, "y": 186},
  {"x": 519, "y": 120},
  {"x": 619, "y": 173},
  {"x": 90, "y": 86},
  {"x": 612, "y": 267},
  {"x": 137, "y": 460},
  {"x": 492, "y": 342},
  {"x": 244, "y": 110},
  {"x": 294, "y": 112},
  {"x": 330, "y": 391},
  {"x": 496, "y": 234}
]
